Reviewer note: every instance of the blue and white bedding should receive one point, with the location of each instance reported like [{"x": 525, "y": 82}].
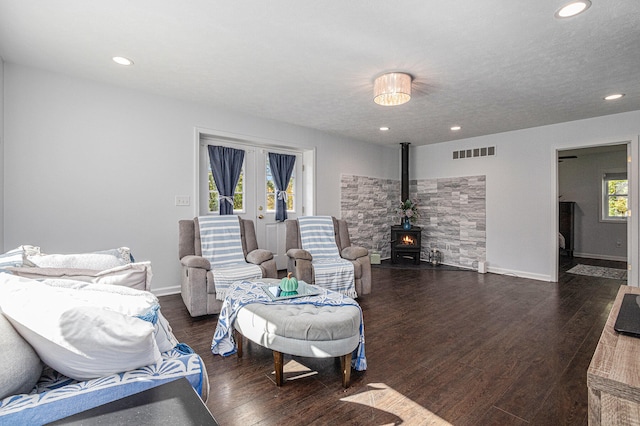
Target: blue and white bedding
[
  {"x": 57, "y": 396},
  {"x": 246, "y": 292},
  {"x": 222, "y": 247},
  {"x": 330, "y": 271}
]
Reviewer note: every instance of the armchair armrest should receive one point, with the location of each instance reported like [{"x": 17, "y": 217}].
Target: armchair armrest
[
  {"x": 354, "y": 252},
  {"x": 193, "y": 261},
  {"x": 299, "y": 254},
  {"x": 259, "y": 256}
]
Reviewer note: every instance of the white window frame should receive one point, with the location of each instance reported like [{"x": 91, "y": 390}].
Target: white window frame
[{"x": 608, "y": 175}]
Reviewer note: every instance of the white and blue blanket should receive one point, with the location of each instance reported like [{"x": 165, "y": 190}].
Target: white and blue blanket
[
  {"x": 221, "y": 245},
  {"x": 246, "y": 292},
  {"x": 330, "y": 270}
]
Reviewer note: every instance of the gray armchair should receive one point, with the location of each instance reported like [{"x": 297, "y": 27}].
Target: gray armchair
[
  {"x": 197, "y": 284},
  {"x": 299, "y": 260}
]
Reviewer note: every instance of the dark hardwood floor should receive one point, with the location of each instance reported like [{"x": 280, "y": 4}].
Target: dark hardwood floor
[{"x": 443, "y": 347}]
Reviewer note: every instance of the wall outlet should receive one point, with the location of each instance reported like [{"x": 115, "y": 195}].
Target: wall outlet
[
  {"x": 183, "y": 200},
  {"x": 619, "y": 243}
]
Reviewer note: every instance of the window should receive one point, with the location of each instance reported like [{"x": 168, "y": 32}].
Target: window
[
  {"x": 615, "y": 196},
  {"x": 238, "y": 197},
  {"x": 271, "y": 190}
]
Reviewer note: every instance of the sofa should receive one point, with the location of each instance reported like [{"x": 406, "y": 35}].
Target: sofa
[
  {"x": 198, "y": 287},
  {"x": 299, "y": 260},
  {"x": 71, "y": 345}
]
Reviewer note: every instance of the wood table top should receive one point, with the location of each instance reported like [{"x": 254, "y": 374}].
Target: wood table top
[{"x": 615, "y": 366}]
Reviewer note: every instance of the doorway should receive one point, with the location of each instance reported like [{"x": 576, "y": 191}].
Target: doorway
[
  {"x": 593, "y": 196},
  {"x": 257, "y": 188}
]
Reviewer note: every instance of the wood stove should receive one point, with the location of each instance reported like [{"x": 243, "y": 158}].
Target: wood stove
[{"x": 406, "y": 243}]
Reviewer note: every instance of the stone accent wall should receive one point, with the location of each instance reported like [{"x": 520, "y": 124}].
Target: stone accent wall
[
  {"x": 452, "y": 215},
  {"x": 368, "y": 205},
  {"x": 453, "y": 218}
]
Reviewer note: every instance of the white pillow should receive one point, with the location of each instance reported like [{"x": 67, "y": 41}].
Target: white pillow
[
  {"x": 134, "y": 275},
  {"x": 82, "y": 330},
  {"x": 18, "y": 256},
  {"x": 99, "y": 261}
]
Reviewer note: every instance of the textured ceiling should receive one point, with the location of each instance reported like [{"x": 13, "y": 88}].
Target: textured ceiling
[{"x": 490, "y": 66}]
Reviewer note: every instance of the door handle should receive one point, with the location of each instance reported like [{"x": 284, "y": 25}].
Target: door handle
[{"x": 261, "y": 217}]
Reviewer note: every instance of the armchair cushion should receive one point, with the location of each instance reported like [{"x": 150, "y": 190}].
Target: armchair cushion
[
  {"x": 259, "y": 256},
  {"x": 354, "y": 252}
]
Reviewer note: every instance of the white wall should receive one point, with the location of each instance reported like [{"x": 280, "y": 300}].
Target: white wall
[
  {"x": 89, "y": 166},
  {"x": 1, "y": 155},
  {"x": 580, "y": 180},
  {"x": 521, "y": 185}
]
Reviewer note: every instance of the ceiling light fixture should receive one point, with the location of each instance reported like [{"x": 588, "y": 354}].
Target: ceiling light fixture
[
  {"x": 392, "y": 89},
  {"x": 121, "y": 60},
  {"x": 455, "y": 128},
  {"x": 572, "y": 9},
  {"x": 614, "y": 97},
  {"x": 384, "y": 129}
]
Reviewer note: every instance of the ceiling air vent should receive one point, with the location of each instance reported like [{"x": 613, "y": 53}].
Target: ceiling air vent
[{"x": 475, "y": 152}]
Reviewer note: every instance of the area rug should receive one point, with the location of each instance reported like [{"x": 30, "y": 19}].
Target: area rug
[{"x": 599, "y": 271}]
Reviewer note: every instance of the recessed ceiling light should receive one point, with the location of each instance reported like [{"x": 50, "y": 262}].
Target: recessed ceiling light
[
  {"x": 121, "y": 60},
  {"x": 573, "y": 8},
  {"x": 384, "y": 129},
  {"x": 456, "y": 128},
  {"x": 614, "y": 97}
]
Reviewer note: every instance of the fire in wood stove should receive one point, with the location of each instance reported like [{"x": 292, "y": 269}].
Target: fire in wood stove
[{"x": 405, "y": 243}]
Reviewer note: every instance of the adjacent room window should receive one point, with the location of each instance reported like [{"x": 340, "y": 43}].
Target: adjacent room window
[
  {"x": 238, "y": 196},
  {"x": 271, "y": 190},
  {"x": 615, "y": 196}
]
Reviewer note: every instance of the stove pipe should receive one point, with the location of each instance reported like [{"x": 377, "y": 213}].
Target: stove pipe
[{"x": 404, "y": 173}]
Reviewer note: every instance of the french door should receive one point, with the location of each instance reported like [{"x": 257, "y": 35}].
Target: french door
[{"x": 258, "y": 196}]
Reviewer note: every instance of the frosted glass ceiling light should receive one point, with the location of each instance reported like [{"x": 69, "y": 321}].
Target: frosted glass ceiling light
[
  {"x": 392, "y": 89},
  {"x": 121, "y": 60},
  {"x": 614, "y": 97},
  {"x": 573, "y": 8}
]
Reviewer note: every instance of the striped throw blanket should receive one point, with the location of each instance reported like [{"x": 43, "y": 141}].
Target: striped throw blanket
[
  {"x": 221, "y": 246},
  {"x": 330, "y": 270},
  {"x": 246, "y": 292}
]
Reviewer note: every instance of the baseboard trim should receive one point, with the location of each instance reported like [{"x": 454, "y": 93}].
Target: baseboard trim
[
  {"x": 599, "y": 256},
  {"x": 518, "y": 274},
  {"x": 166, "y": 291}
]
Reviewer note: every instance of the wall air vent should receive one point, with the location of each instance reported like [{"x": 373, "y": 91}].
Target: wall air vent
[{"x": 475, "y": 152}]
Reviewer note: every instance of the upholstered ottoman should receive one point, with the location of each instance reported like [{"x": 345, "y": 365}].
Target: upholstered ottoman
[{"x": 301, "y": 330}]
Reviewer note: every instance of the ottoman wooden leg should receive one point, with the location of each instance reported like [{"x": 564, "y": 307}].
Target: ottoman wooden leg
[
  {"x": 238, "y": 343},
  {"x": 279, "y": 367},
  {"x": 345, "y": 365}
]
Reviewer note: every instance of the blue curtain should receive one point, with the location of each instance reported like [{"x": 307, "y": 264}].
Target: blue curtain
[
  {"x": 281, "y": 169},
  {"x": 226, "y": 165}
]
